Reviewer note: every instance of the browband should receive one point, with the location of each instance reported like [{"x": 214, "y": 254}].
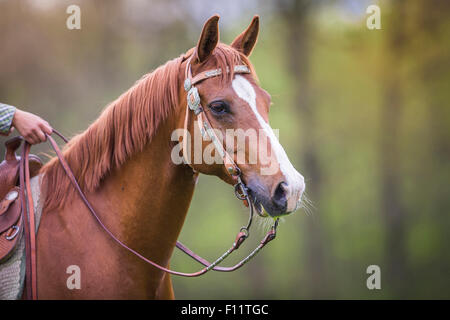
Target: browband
[{"x": 190, "y": 81}]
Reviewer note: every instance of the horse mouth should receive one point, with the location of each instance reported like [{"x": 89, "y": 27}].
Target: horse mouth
[
  {"x": 259, "y": 208},
  {"x": 264, "y": 212},
  {"x": 264, "y": 209}
]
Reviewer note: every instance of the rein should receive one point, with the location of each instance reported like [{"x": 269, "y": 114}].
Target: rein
[{"x": 232, "y": 170}]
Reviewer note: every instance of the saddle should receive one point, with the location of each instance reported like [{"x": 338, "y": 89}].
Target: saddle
[{"x": 11, "y": 218}]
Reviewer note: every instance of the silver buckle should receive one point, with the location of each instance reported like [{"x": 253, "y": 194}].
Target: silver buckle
[
  {"x": 193, "y": 99},
  {"x": 187, "y": 84},
  {"x": 14, "y": 234}
]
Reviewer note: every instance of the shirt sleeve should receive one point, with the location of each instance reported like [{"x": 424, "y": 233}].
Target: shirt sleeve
[{"x": 6, "y": 116}]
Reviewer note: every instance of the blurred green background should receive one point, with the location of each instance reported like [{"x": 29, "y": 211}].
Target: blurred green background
[{"x": 363, "y": 115}]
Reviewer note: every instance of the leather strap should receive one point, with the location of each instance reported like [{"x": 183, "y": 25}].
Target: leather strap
[
  {"x": 210, "y": 266},
  {"x": 214, "y": 73},
  {"x": 28, "y": 217},
  {"x": 269, "y": 237},
  {"x": 29, "y": 223}
]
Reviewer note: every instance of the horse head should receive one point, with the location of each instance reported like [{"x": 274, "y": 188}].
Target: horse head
[{"x": 237, "y": 110}]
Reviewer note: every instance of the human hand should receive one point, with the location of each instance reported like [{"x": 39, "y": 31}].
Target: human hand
[{"x": 31, "y": 127}]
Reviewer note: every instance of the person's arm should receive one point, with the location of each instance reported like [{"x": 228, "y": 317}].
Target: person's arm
[
  {"x": 6, "y": 117},
  {"x": 30, "y": 126}
]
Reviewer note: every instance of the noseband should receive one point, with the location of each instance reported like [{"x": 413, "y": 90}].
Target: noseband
[{"x": 231, "y": 168}]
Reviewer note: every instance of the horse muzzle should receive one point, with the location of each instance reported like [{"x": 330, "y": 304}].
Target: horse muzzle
[{"x": 282, "y": 199}]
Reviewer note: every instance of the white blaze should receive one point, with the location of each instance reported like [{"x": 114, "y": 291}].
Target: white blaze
[{"x": 293, "y": 178}]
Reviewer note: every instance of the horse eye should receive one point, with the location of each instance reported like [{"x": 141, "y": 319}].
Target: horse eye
[{"x": 218, "y": 107}]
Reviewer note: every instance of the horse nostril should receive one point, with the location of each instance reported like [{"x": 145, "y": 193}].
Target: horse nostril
[{"x": 280, "y": 195}]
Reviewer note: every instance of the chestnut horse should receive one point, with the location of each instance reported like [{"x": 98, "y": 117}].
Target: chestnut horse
[{"x": 123, "y": 163}]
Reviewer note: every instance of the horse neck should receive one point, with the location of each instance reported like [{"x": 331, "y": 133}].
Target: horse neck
[{"x": 149, "y": 196}]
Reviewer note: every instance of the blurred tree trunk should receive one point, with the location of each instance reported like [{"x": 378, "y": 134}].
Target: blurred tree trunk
[
  {"x": 395, "y": 268},
  {"x": 434, "y": 77},
  {"x": 296, "y": 15},
  {"x": 430, "y": 20}
]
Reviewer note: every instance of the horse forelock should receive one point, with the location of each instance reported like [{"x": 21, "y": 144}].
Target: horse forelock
[{"x": 125, "y": 127}]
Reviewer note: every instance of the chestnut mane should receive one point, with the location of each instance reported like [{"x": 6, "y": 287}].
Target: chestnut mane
[{"x": 124, "y": 127}]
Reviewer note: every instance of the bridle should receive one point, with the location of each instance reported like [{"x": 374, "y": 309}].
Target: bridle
[
  {"x": 231, "y": 168},
  {"x": 207, "y": 131},
  {"x": 241, "y": 191}
]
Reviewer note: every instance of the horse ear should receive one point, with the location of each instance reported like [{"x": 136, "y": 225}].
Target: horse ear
[
  {"x": 208, "y": 39},
  {"x": 247, "y": 39}
]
